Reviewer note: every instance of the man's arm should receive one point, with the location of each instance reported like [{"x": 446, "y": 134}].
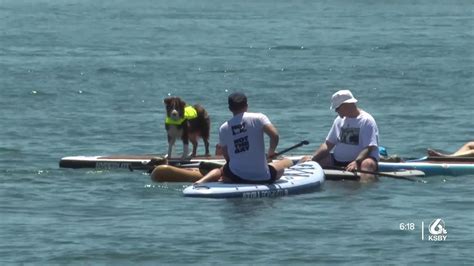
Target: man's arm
[
  {"x": 364, "y": 154},
  {"x": 323, "y": 151},
  {"x": 272, "y": 132}
]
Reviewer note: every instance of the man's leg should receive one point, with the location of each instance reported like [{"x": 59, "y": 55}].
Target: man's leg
[
  {"x": 369, "y": 165},
  {"x": 280, "y": 166},
  {"x": 213, "y": 176}
]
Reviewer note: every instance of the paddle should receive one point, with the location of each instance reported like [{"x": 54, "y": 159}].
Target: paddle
[
  {"x": 304, "y": 142},
  {"x": 205, "y": 167},
  {"x": 377, "y": 173}
]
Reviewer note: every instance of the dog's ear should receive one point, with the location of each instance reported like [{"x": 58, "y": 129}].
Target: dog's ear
[
  {"x": 182, "y": 103},
  {"x": 167, "y": 101}
]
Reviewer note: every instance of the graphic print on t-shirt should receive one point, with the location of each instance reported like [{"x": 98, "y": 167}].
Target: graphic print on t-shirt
[
  {"x": 240, "y": 128},
  {"x": 241, "y": 144},
  {"x": 350, "y": 136}
]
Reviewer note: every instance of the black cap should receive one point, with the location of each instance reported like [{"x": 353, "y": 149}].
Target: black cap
[{"x": 237, "y": 100}]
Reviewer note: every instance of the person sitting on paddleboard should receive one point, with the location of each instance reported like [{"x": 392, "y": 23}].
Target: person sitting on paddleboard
[
  {"x": 242, "y": 142},
  {"x": 467, "y": 150},
  {"x": 353, "y": 139}
]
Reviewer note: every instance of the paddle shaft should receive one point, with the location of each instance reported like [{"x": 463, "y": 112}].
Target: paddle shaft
[{"x": 304, "y": 142}]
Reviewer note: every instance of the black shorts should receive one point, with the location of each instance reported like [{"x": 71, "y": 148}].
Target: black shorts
[{"x": 237, "y": 179}]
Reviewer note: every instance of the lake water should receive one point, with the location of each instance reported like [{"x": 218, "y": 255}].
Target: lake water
[{"x": 89, "y": 77}]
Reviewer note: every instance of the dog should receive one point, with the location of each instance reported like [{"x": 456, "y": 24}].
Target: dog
[{"x": 188, "y": 123}]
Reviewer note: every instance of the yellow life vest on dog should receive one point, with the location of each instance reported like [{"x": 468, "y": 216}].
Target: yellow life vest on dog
[{"x": 189, "y": 113}]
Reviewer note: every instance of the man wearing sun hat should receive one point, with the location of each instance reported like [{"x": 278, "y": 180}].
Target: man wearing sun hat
[{"x": 353, "y": 138}]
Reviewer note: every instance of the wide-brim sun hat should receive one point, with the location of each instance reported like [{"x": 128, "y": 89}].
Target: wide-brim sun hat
[{"x": 340, "y": 97}]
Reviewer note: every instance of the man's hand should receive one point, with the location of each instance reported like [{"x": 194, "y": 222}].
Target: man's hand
[
  {"x": 271, "y": 155},
  {"x": 305, "y": 158},
  {"x": 352, "y": 167}
]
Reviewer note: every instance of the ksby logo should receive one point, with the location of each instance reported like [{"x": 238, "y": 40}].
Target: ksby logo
[{"x": 437, "y": 230}]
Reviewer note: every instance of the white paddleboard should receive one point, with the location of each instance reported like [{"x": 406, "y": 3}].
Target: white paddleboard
[{"x": 300, "y": 178}]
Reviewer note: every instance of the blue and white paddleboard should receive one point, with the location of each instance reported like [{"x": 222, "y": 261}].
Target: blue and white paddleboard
[
  {"x": 430, "y": 168},
  {"x": 300, "y": 178},
  {"x": 429, "y": 165}
]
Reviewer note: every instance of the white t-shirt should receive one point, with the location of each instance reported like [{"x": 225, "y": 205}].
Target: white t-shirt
[
  {"x": 352, "y": 135},
  {"x": 243, "y": 136}
]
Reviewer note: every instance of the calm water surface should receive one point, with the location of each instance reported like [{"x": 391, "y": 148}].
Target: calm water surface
[{"x": 89, "y": 77}]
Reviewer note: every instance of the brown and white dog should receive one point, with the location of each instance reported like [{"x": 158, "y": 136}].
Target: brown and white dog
[{"x": 188, "y": 123}]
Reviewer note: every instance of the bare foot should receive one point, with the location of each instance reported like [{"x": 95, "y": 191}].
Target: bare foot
[{"x": 434, "y": 153}]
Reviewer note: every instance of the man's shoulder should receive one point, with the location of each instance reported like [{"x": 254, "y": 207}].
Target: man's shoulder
[
  {"x": 257, "y": 116},
  {"x": 224, "y": 125},
  {"x": 366, "y": 115},
  {"x": 367, "y": 118},
  {"x": 338, "y": 120},
  {"x": 251, "y": 114}
]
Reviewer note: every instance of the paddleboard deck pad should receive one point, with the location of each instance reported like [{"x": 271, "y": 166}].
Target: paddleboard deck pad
[{"x": 300, "y": 178}]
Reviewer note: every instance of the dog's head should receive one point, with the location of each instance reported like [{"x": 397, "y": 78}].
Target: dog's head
[{"x": 174, "y": 108}]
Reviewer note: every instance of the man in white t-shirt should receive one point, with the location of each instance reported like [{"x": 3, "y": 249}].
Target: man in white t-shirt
[
  {"x": 353, "y": 138},
  {"x": 242, "y": 142}
]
